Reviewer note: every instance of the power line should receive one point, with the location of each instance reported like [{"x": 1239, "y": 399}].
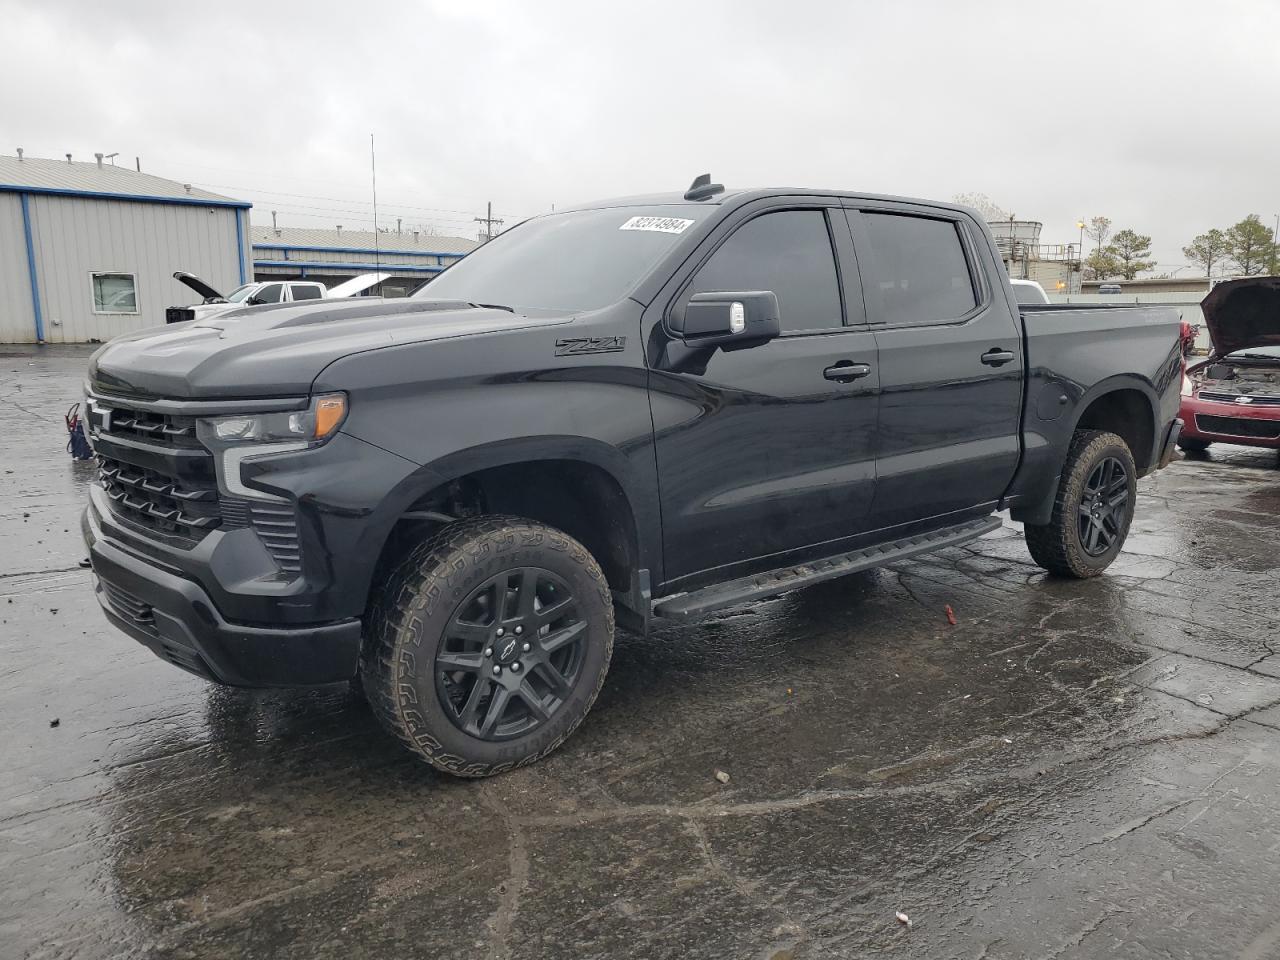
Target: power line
[{"x": 311, "y": 196}]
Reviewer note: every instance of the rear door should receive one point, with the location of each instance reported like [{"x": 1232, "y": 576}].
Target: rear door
[
  {"x": 767, "y": 452},
  {"x": 951, "y": 363}
]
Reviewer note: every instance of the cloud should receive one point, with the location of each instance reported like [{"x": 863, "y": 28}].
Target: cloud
[{"x": 1153, "y": 114}]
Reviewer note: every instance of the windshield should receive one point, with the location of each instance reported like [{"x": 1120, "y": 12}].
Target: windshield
[
  {"x": 1256, "y": 353},
  {"x": 239, "y": 293},
  {"x": 575, "y": 261}
]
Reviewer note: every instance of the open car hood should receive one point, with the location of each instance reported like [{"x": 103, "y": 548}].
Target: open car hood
[
  {"x": 356, "y": 285},
  {"x": 1241, "y": 314},
  {"x": 209, "y": 294}
]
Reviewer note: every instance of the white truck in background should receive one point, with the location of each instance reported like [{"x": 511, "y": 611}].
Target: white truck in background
[{"x": 263, "y": 291}]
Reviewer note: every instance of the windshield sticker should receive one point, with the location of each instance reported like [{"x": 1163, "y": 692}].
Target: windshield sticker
[{"x": 657, "y": 224}]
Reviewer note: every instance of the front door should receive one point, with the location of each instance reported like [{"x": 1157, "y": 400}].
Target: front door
[
  {"x": 951, "y": 366},
  {"x": 766, "y": 454}
]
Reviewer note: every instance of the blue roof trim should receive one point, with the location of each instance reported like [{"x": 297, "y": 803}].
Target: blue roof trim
[
  {"x": 134, "y": 197},
  {"x": 367, "y": 250},
  {"x": 322, "y": 266}
]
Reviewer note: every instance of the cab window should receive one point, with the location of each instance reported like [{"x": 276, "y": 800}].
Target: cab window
[{"x": 788, "y": 252}]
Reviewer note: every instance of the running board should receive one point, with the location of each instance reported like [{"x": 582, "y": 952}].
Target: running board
[{"x": 686, "y": 606}]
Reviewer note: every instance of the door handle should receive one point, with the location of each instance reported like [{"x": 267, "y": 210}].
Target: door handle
[
  {"x": 996, "y": 357},
  {"x": 846, "y": 371}
]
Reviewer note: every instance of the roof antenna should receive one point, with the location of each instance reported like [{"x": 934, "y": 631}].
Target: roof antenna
[
  {"x": 702, "y": 188},
  {"x": 373, "y": 169}
]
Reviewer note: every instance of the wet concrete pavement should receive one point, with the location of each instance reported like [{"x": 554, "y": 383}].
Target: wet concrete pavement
[{"x": 1072, "y": 770}]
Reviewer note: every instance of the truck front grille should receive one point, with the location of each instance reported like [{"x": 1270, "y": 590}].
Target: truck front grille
[
  {"x": 1239, "y": 427},
  {"x": 1255, "y": 399},
  {"x": 161, "y": 479},
  {"x": 155, "y": 428},
  {"x": 160, "y": 502}
]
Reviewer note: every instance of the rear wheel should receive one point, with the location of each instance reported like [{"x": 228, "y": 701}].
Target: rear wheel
[
  {"x": 488, "y": 644},
  {"x": 1093, "y": 508},
  {"x": 1192, "y": 445}
]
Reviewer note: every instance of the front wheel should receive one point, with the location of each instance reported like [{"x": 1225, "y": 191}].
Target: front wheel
[
  {"x": 1093, "y": 508},
  {"x": 488, "y": 644}
]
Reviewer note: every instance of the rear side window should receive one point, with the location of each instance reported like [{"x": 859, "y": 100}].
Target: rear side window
[
  {"x": 918, "y": 269},
  {"x": 305, "y": 291},
  {"x": 788, "y": 252}
]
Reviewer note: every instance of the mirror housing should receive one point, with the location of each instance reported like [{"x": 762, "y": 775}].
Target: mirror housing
[{"x": 728, "y": 319}]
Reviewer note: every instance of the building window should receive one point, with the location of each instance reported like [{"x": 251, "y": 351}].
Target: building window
[{"x": 114, "y": 293}]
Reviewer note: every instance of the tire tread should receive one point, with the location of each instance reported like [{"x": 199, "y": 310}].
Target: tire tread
[{"x": 425, "y": 567}]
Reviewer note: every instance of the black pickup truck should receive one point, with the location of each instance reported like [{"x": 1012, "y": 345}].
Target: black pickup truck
[{"x": 650, "y": 407}]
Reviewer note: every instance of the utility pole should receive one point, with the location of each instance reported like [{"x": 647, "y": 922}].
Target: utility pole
[
  {"x": 1274, "y": 252},
  {"x": 489, "y": 223}
]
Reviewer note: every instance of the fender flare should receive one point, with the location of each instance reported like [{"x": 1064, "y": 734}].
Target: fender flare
[
  {"x": 1041, "y": 510},
  {"x": 640, "y": 497}
]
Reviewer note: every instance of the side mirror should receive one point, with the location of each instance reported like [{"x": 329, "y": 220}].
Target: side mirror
[
  {"x": 253, "y": 302},
  {"x": 728, "y": 320}
]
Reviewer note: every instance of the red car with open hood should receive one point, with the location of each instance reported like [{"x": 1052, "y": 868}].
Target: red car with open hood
[{"x": 1234, "y": 395}]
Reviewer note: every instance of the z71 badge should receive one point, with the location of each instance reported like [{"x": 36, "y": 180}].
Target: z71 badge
[{"x": 576, "y": 345}]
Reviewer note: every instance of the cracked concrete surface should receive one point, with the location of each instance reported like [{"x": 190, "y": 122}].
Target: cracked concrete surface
[{"x": 1072, "y": 770}]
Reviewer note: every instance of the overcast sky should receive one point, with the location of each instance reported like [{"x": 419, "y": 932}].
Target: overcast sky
[{"x": 1158, "y": 115}]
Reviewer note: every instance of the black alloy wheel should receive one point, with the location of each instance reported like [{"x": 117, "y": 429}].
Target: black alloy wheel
[
  {"x": 1103, "y": 506},
  {"x": 512, "y": 653},
  {"x": 487, "y": 643},
  {"x": 1092, "y": 507}
]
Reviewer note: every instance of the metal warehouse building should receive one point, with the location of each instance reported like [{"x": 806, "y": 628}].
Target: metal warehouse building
[
  {"x": 331, "y": 256},
  {"x": 88, "y": 250}
]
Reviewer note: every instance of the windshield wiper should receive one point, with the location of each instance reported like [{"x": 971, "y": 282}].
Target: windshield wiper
[
  {"x": 491, "y": 306},
  {"x": 1259, "y": 356}
]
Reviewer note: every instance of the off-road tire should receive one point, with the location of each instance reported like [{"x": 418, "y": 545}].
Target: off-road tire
[
  {"x": 1193, "y": 445},
  {"x": 405, "y": 626},
  {"x": 1056, "y": 545}
]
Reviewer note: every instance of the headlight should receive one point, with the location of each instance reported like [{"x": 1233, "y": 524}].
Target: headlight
[
  {"x": 234, "y": 440},
  {"x": 314, "y": 425}
]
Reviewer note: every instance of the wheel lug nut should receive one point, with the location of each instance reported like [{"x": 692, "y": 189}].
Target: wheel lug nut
[
  {"x": 501, "y": 631},
  {"x": 519, "y": 630},
  {"x": 497, "y": 670},
  {"x": 515, "y": 667},
  {"x": 527, "y": 647},
  {"x": 488, "y": 651}
]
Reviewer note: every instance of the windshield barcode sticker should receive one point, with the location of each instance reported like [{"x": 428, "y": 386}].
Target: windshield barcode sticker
[{"x": 657, "y": 224}]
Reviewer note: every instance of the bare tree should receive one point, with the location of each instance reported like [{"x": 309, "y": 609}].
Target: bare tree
[
  {"x": 1097, "y": 230},
  {"x": 991, "y": 211}
]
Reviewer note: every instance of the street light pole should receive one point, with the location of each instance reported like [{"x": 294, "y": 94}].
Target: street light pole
[{"x": 1080, "y": 257}]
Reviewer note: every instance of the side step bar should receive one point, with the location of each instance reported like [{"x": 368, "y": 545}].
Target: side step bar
[{"x": 686, "y": 606}]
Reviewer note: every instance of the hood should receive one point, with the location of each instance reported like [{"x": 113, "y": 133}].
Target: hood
[
  {"x": 199, "y": 286},
  {"x": 1242, "y": 314},
  {"x": 357, "y": 285},
  {"x": 278, "y": 350}
]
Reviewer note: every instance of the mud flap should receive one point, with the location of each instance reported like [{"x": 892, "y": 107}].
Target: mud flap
[{"x": 1170, "y": 452}]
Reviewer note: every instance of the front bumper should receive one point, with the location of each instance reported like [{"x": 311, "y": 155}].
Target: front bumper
[
  {"x": 175, "y": 618},
  {"x": 1212, "y": 421}
]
